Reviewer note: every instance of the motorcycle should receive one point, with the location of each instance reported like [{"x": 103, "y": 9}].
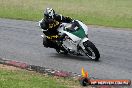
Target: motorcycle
[{"x": 75, "y": 40}]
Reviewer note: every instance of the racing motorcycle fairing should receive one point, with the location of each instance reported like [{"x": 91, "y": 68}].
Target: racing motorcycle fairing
[{"x": 76, "y": 36}]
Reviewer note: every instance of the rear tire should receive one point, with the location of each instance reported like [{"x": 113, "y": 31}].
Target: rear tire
[
  {"x": 62, "y": 51},
  {"x": 91, "y": 49}
]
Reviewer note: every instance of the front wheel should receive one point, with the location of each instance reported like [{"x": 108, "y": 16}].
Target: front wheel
[{"x": 91, "y": 51}]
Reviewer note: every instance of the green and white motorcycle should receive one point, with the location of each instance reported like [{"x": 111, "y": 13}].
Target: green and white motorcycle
[{"x": 76, "y": 40}]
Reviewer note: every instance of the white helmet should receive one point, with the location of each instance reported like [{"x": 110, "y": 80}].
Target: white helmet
[{"x": 49, "y": 13}]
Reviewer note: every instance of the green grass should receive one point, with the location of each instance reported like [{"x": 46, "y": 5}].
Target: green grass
[
  {"x": 25, "y": 79},
  {"x": 115, "y": 13}
]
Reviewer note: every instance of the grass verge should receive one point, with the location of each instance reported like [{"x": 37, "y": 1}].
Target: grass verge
[
  {"x": 115, "y": 13},
  {"x": 11, "y": 77}
]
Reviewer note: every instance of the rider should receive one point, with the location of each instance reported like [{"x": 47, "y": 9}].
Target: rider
[{"x": 49, "y": 25}]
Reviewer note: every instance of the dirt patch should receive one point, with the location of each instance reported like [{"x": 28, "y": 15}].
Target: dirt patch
[{"x": 5, "y": 67}]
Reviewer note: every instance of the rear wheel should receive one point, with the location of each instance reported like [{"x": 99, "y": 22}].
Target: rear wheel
[
  {"x": 62, "y": 51},
  {"x": 91, "y": 51}
]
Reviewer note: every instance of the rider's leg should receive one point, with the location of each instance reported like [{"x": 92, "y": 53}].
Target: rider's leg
[
  {"x": 51, "y": 44},
  {"x": 48, "y": 43}
]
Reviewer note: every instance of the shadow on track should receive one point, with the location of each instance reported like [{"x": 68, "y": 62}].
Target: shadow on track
[{"x": 72, "y": 57}]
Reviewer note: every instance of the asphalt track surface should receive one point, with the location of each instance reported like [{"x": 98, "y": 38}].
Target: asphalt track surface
[{"x": 21, "y": 41}]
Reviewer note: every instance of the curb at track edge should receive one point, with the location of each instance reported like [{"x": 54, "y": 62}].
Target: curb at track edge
[{"x": 40, "y": 69}]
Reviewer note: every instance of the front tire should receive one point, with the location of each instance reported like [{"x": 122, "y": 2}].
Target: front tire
[{"x": 91, "y": 51}]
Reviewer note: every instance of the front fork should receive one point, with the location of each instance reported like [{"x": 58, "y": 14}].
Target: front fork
[{"x": 81, "y": 45}]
